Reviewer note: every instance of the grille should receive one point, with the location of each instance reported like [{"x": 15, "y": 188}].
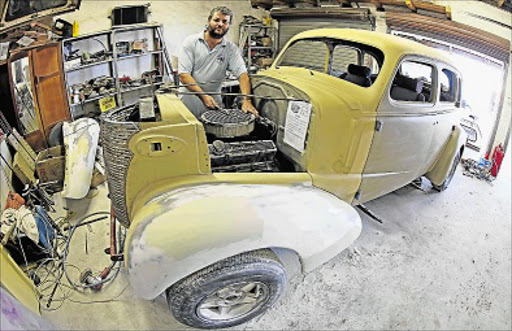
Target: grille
[
  {"x": 228, "y": 123},
  {"x": 116, "y": 132}
]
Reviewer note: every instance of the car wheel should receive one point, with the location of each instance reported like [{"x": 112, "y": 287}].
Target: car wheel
[
  {"x": 448, "y": 179},
  {"x": 229, "y": 292}
]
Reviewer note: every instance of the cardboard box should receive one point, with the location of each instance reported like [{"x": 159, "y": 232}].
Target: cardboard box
[
  {"x": 265, "y": 62},
  {"x": 50, "y": 165},
  {"x": 22, "y": 169}
]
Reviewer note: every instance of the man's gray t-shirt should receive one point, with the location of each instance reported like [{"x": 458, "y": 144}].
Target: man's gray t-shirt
[{"x": 208, "y": 67}]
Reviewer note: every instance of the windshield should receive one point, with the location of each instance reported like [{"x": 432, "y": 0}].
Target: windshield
[{"x": 357, "y": 63}]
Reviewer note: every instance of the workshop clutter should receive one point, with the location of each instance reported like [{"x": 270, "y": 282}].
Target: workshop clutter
[
  {"x": 487, "y": 168},
  {"x": 45, "y": 170},
  {"x": 92, "y": 88},
  {"x": 36, "y": 242},
  {"x": 50, "y": 167},
  {"x": 257, "y": 41},
  {"x": 147, "y": 78},
  {"x": 75, "y": 58},
  {"x": 31, "y": 35},
  {"x": 126, "y": 48},
  {"x": 17, "y": 219}
]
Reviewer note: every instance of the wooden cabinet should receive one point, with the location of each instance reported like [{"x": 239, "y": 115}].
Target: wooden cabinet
[{"x": 38, "y": 90}]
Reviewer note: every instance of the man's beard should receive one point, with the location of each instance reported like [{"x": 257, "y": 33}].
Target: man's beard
[{"x": 215, "y": 35}]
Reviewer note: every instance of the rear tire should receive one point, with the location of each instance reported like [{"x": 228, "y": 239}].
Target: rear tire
[
  {"x": 444, "y": 185},
  {"x": 229, "y": 292}
]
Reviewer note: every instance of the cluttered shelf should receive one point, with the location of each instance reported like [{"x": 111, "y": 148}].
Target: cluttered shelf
[
  {"x": 131, "y": 56},
  {"x": 130, "y": 89},
  {"x": 88, "y": 65},
  {"x": 134, "y": 27},
  {"x": 93, "y": 99},
  {"x": 87, "y": 36}
]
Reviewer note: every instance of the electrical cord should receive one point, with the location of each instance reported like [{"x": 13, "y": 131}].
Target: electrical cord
[
  {"x": 66, "y": 252},
  {"x": 51, "y": 270}
]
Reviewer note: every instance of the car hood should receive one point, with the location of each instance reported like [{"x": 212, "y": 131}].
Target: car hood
[
  {"x": 14, "y": 13},
  {"x": 320, "y": 88}
]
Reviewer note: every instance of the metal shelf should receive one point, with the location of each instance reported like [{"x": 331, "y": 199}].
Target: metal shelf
[
  {"x": 93, "y": 99},
  {"x": 131, "y": 89},
  {"x": 87, "y": 36},
  {"x": 89, "y": 65},
  {"x": 249, "y": 33},
  {"x": 156, "y": 42},
  {"x": 134, "y": 27},
  {"x": 258, "y": 26},
  {"x": 131, "y": 56}
]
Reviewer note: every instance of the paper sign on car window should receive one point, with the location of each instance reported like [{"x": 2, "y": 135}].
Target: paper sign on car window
[{"x": 296, "y": 126}]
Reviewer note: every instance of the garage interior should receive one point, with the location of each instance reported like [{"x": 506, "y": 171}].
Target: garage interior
[{"x": 424, "y": 259}]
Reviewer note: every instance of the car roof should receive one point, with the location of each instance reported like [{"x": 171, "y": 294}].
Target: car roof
[{"x": 387, "y": 43}]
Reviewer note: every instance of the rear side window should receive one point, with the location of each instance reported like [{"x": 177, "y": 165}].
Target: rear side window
[
  {"x": 448, "y": 82},
  {"x": 309, "y": 54},
  {"x": 342, "y": 56},
  {"x": 413, "y": 82},
  {"x": 372, "y": 63}
]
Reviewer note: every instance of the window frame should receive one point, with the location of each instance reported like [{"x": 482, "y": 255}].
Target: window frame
[
  {"x": 331, "y": 56},
  {"x": 458, "y": 81},
  {"x": 326, "y": 60},
  {"x": 331, "y": 43},
  {"x": 434, "y": 89}
]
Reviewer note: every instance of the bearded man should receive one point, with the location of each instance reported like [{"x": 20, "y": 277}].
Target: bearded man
[{"x": 203, "y": 61}]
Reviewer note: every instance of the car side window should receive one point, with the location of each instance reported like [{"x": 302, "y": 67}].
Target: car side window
[
  {"x": 346, "y": 64},
  {"x": 448, "y": 82},
  {"x": 342, "y": 57},
  {"x": 309, "y": 54},
  {"x": 413, "y": 82},
  {"x": 372, "y": 63}
]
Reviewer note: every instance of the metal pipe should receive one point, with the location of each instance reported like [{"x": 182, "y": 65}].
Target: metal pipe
[{"x": 236, "y": 94}]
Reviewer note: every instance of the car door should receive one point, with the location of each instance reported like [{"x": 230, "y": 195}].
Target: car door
[
  {"x": 405, "y": 126},
  {"x": 446, "y": 110}
]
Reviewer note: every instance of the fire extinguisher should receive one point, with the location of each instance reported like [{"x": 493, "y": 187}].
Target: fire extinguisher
[{"x": 497, "y": 158}]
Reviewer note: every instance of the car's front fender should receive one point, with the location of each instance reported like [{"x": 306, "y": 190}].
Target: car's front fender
[{"x": 182, "y": 231}]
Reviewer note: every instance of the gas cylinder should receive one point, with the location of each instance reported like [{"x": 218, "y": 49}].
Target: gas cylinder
[{"x": 497, "y": 158}]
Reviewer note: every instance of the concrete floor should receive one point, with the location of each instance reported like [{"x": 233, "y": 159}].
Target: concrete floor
[{"x": 439, "y": 261}]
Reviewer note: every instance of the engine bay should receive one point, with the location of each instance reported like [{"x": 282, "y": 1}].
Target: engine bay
[
  {"x": 237, "y": 141},
  {"x": 241, "y": 142}
]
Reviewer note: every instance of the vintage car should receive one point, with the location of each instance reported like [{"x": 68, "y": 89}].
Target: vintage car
[{"x": 220, "y": 210}]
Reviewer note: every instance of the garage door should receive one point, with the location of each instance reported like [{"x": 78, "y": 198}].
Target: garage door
[
  {"x": 293, "y": 21},
  {"x": 451, "y": 32}
]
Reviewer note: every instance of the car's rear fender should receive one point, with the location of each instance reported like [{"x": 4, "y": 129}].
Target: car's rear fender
[
  {"x": 182, "y": 231},
  {"x": 454, "y": 145}
]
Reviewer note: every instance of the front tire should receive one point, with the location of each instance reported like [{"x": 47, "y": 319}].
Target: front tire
[
  {"x": 229, "y": 292},
  {"x": 448, "y": 179}
]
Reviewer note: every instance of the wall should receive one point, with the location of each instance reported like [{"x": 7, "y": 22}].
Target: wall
[{"x": 179, "y": 18}]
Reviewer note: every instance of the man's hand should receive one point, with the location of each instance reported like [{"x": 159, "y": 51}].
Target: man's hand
[
  {"x": 247, "y": 107},
  {"x": 209, "y": 102}
]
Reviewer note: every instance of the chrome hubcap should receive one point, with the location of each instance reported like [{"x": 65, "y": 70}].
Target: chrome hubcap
[{"x": 233, "y": 301}]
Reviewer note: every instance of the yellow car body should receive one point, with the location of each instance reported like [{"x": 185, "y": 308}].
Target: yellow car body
[{"x": 361, "y": 142}]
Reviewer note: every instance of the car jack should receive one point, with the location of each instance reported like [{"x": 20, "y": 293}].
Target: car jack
[{"x": 368, "y": 212}]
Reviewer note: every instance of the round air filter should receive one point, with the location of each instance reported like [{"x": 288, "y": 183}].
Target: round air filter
[{"x": 228, "y": 123}]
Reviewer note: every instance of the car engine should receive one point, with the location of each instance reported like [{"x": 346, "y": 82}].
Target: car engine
[{"x": 240, "y": 142}]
